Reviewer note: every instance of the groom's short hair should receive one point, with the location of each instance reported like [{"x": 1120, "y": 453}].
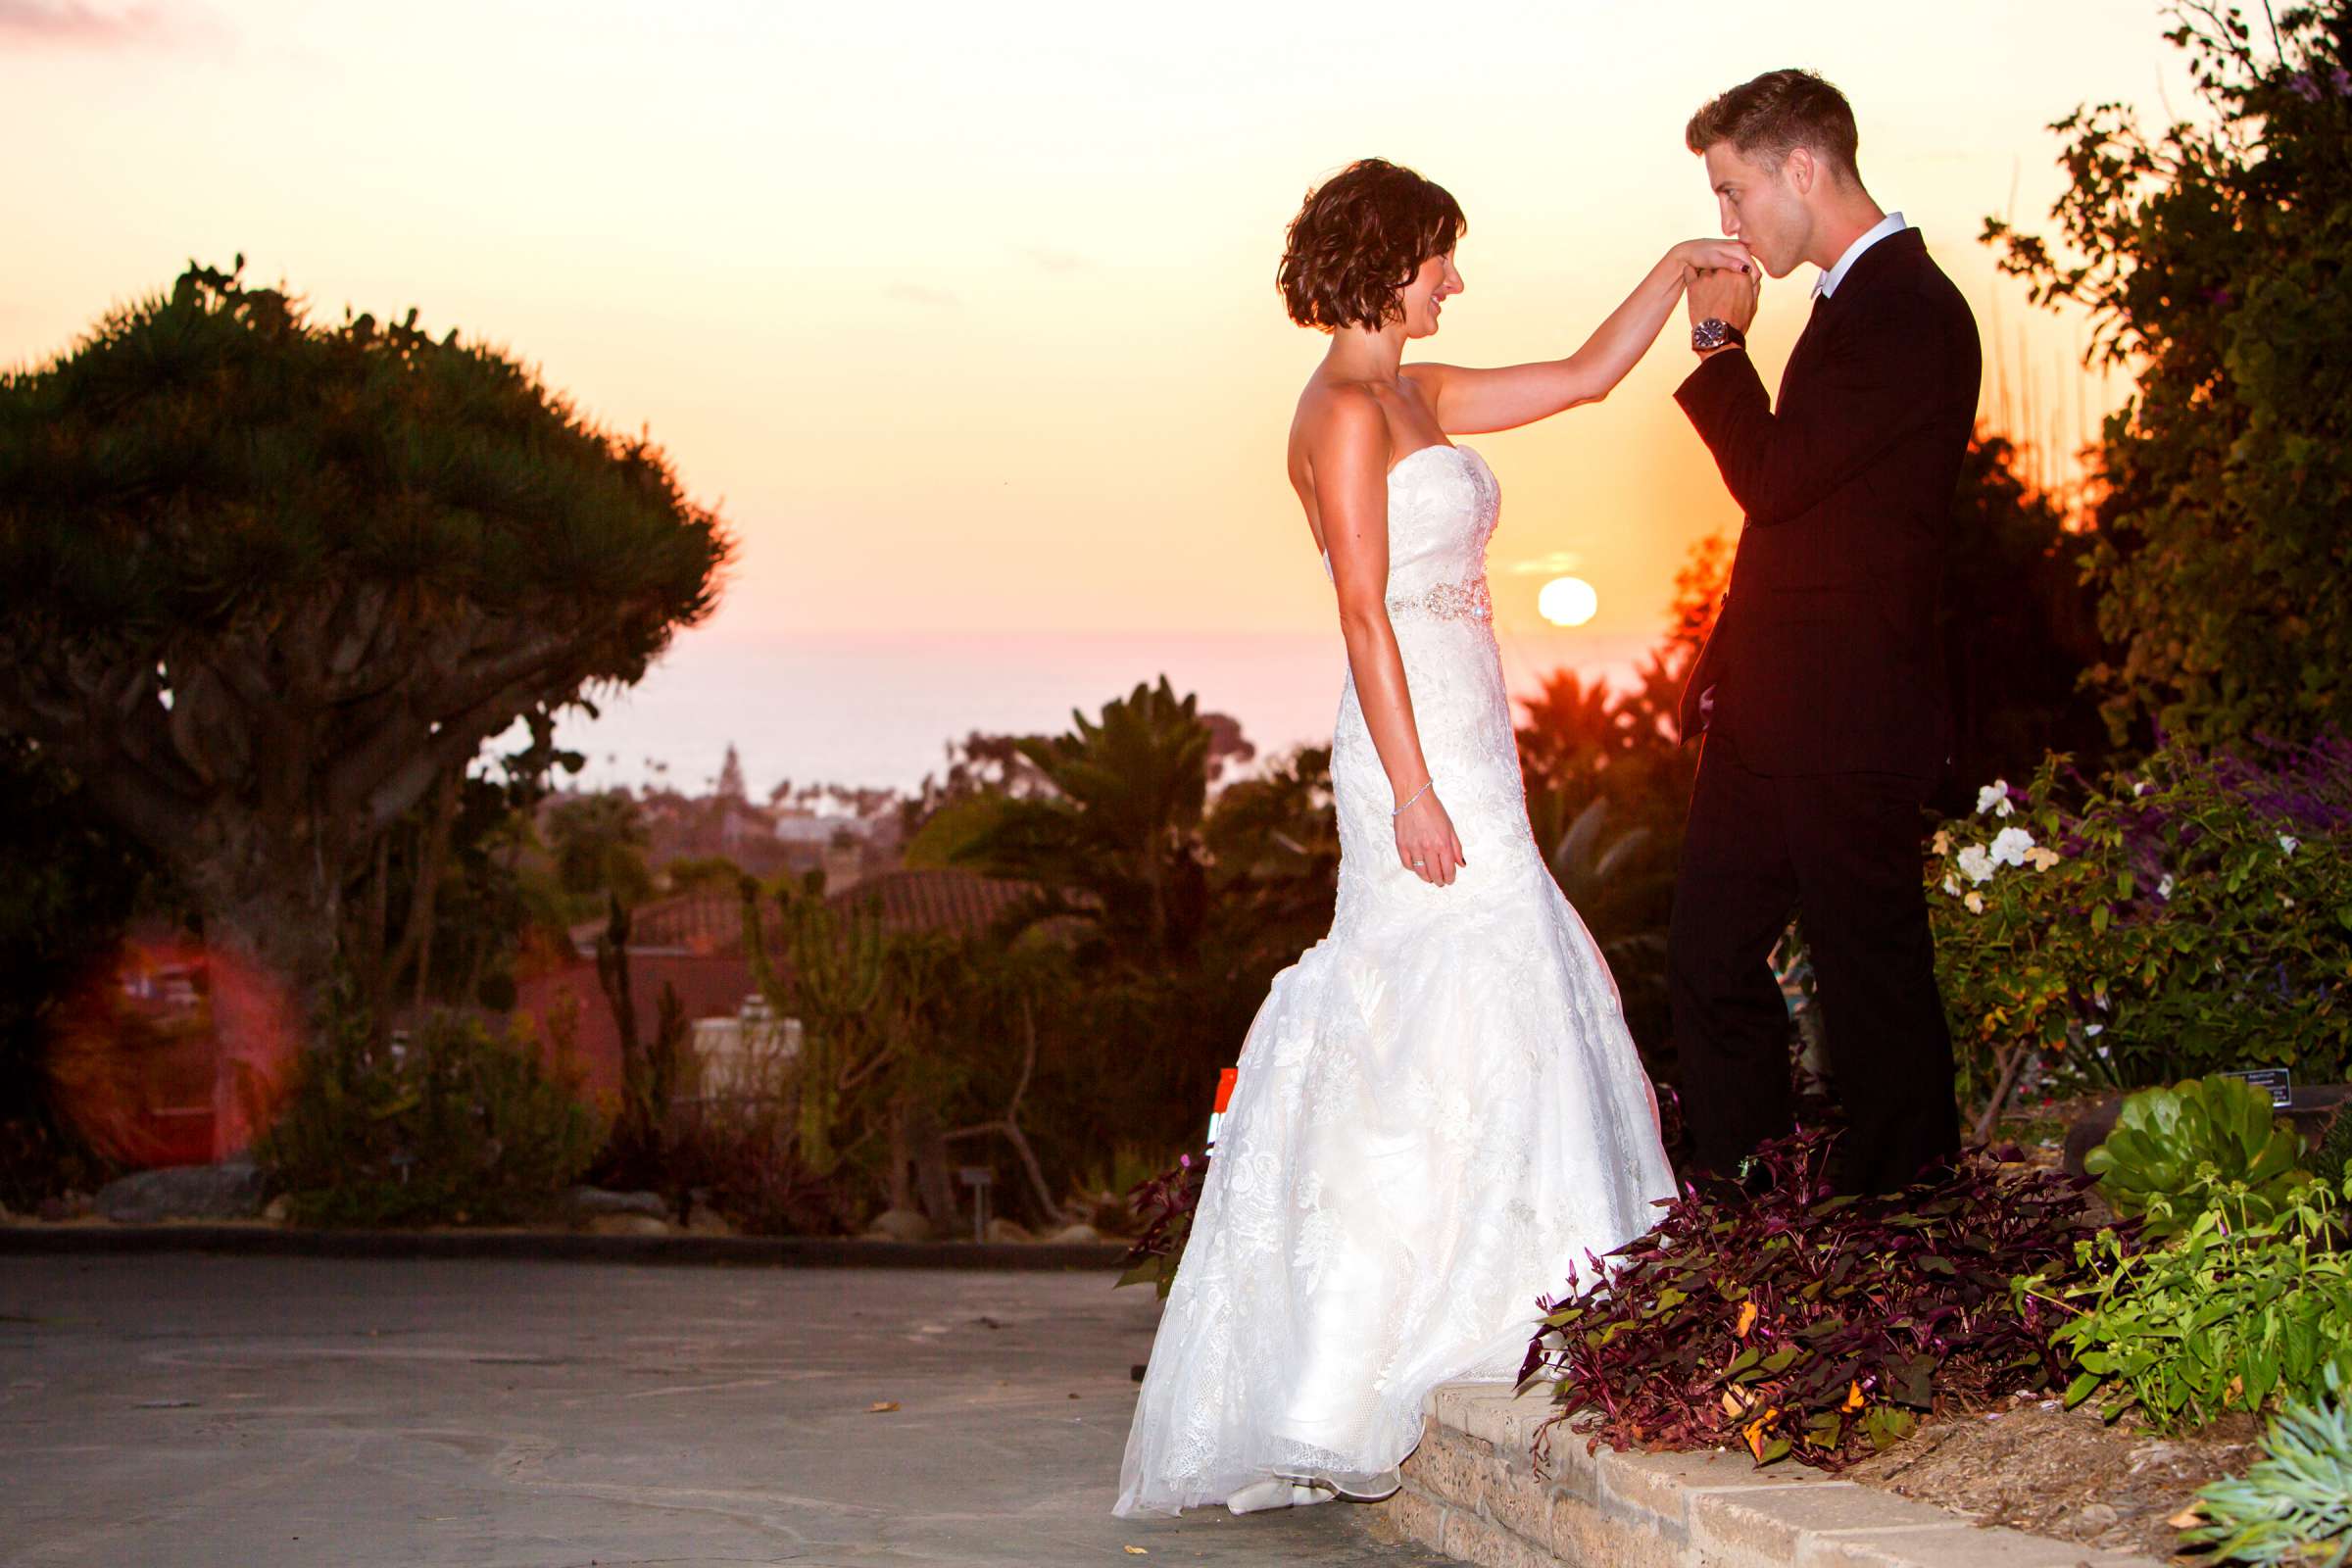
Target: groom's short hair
[{"x": 1777, "y": 112}]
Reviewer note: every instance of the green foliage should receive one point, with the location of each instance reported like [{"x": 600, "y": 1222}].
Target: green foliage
[
  {"x": 2212, "y": 259},
  {"x": 2329, "y": 1160},
  {"x": 2189, "y": 915},
  {"x": 1622, "y": 887},
  {"x": 598, "y": 842},
  {"x": 264, "y": 584},
  {"x": 1115, "y": 842},
  {"x": 2294, "y": 1506},
  {"x": 2019, "y": 621},
  {"x": 847, "y": 983},
  {"x": 2177, "y": 1152},
  {"x": 2238, "y": 1314},
  {"x": 453, "y": 1126}
]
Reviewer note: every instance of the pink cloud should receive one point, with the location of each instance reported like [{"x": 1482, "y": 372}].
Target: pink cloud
[{"x": 78, "y": 24}]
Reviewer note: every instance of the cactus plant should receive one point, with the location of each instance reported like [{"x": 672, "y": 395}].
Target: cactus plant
[{"x": 840, "y": 968}]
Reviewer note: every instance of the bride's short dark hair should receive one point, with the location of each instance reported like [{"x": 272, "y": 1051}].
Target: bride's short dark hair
[
  {"x": 1357, "y": 241},
  {"x": 1776, "y": 113}
]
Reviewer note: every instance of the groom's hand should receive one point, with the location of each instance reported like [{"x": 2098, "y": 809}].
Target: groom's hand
[{"x": 1726, "y": 296}]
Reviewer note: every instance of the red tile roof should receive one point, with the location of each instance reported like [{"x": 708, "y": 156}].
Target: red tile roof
[
  {"x": 711, "y": 923},
  {"x": 955, "y": 901}
]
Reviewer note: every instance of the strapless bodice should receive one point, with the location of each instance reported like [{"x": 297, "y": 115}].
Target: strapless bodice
[{"x": 1444, "y": 506}]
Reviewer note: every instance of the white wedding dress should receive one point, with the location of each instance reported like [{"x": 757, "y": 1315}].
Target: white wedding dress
[{"x": 1438, "y": 1111}]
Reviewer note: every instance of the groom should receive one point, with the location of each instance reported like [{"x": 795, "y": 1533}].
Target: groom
[{"x": 1821, "y": 690}]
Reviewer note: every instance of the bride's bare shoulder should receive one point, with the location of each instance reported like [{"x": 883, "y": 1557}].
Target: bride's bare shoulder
[{"x": 1345, "y": 414}]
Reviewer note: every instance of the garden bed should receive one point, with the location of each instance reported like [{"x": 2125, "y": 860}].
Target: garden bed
[{"x": 2031, "y": 1465}]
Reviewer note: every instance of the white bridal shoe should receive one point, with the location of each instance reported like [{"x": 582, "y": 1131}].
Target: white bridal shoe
[{"x": 1278, "y": 1492}]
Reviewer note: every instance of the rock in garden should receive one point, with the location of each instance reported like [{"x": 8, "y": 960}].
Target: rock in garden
[
  {"x": 279, "y": 1210},
  {"x": 899, "y": 1225},
  {"x": 1001, "y": 1229},
  {"x": 628, "y": 1224},
  {"x": 587, "y": 1203},
  {"x": 231, "y": 1190},
  {"x": 709, "y": 1221},
  {"x": 1076, "y": 1233}
]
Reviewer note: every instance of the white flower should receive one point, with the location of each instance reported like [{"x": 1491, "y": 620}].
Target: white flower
[
  {"x": 1943, "y": 843},
  {"x": 2164, "y": 887},
  {"x": 1994, "y": 797},
  {"x": 2098, "y": 999},
  {"x": 2290, "y": 843},
  {"x": 2141, "y": 788},
  {"x": 1951, "y": 885},
  {"x": 2102, "y": 1053},
  {"x": 2009, "y": 846},
  {"x": 1975, "y": 864},
  {"x": 1975, "y": 903},
  {"x": 2285, "y": 901},
  {"x": 2094, "y": 1030}
]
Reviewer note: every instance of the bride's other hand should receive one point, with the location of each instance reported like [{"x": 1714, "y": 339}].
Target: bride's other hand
[
  {"x": 1425, "y": 842},
  {"x": 1712, "y": 256}
]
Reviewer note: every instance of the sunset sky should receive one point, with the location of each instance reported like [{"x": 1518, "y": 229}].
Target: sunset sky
[{"x": 964, "y": 314}]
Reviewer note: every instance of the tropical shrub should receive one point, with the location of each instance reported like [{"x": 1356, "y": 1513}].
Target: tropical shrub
[
  {"x": 2239, "y": 1313},
  {"x": 1793, "y": 1322},
  {"x": 2175, "y": 1152},
  {"x": 2188, "y": 915},
  {"x": 2208, "y": 254},
  {"x": 2329, "y": 1160},
  {"x": 451, "y": 1126},
  {"x": 2295, "y": 1505}
]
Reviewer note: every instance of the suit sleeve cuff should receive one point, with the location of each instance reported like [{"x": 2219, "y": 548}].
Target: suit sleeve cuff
[{"x": 1708, "y": 369}]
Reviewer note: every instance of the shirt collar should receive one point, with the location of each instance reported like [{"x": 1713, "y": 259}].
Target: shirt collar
[{"x": 1827, "y": 282}]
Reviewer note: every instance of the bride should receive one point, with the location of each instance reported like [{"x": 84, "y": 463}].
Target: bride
[{"x": 1438, "y": 1111}]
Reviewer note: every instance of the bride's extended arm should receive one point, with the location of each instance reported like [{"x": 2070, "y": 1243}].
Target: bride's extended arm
[
  {"x": 1348, "y": 456},
  {"x": 1469, "y": 400}
]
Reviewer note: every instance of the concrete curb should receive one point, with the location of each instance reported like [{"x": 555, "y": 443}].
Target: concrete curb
[
  {"x": 1471, "y": 1492},
  {"x": 754, "y": 1251}
]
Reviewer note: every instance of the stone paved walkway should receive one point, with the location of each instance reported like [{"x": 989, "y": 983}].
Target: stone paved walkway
[{"x": 224, "y": 1412}]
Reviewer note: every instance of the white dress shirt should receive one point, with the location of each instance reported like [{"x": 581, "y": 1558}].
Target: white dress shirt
[{"x": 1827, "y": 282}]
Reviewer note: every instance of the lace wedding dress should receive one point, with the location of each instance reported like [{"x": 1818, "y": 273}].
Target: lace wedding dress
[{"x": 1438, "y": 1110}]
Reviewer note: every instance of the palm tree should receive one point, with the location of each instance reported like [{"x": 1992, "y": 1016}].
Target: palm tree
[{"x": 1116, "y": 840}]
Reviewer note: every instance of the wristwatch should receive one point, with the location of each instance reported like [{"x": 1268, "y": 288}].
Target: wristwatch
[{"x": 1715, "y": 332}]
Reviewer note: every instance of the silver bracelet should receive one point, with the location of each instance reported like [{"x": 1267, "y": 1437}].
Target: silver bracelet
[{"x": 1418, "y": 794}]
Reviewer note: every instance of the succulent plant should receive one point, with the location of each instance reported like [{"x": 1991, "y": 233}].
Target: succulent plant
[
  {"x": 2174, "y": 1151},
  {"x": 2295, "y": 1505}
]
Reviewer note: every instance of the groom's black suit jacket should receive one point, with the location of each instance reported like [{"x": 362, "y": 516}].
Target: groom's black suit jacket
[{"x": 1826, "y": 657}]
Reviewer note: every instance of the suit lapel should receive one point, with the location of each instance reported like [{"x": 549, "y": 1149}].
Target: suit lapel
[{"x": 1868, "y": 269}]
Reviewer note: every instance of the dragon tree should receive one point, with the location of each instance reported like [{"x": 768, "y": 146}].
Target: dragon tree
[{"x": 267, "y": 581}]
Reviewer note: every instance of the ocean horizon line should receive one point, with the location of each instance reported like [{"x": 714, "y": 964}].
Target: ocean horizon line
[{"x": 880, "y": 708}]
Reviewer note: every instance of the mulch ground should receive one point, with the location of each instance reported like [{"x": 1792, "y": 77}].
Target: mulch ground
[{"x": 2033, "y": 1466}]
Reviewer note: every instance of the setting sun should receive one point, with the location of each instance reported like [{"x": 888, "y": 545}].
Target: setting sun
[{"x": 1567, "y": 602}]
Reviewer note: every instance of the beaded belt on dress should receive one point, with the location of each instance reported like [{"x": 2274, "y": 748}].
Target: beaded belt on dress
[{"x": 1448, "y": 601}]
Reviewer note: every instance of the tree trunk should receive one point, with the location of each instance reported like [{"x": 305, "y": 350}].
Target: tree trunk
[
  {"x": 932, "y": 1180},
  {"x": 902, "y": 1191},
  {"x": 270, "y": 961}
]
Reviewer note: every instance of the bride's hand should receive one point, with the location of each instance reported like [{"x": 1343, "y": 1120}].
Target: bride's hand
[
  {"x": 1712, "y": 255},
  {"x": 1426, "y": 841}
]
